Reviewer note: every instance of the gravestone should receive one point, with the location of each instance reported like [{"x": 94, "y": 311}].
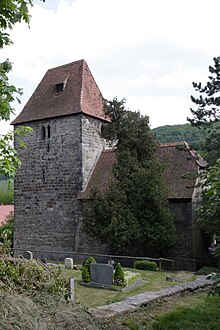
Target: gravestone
[
  {"x": 102, "y": 274},
  {"x": 28, "y": 255},
  {"x": 68, "y": 263}
]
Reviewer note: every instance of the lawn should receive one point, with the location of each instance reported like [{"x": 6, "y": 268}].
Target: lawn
[
  {"x": 185, "y": 311},
  {"x": 205, "y": 315},
  {"x": 152, "y": 281}
]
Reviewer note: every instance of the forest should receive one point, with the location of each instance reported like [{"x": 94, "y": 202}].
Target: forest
[{"x": 196, "y": 137}]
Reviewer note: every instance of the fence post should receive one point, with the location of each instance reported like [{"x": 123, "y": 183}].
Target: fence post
[
  {"x": 160, "y": 264},
  {"x": 173, "y": 262},
  {"x": 134, "y": 263},
  {"x": 71, "y": 289}
]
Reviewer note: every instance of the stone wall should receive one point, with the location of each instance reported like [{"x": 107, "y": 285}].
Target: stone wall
[
  {"x": 182, "y": 251},
  {"x": 92, "y": 145},
  {"x": 188, "y": 251},
  {"x": 47, "y": 211}
]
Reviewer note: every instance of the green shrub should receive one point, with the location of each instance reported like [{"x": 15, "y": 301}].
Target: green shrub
[
  {"x": 146, "y": 265},
  {"x": 6, "y": 235},
  {"x": 119, "y": 276},
  {"x": 22, "y": 276},
  {"x": 207, "y": 270},
  {"x": 86, "y": 277}
]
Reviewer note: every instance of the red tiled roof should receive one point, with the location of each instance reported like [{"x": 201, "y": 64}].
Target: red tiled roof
[
  {"x": 181, "y": 166},
  {"x": 5, "y": 211},
  {"x": 102, "y": 173},
  {"x": 81, "y": 95}
]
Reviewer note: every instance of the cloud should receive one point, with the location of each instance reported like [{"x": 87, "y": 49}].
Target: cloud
[{"x": 146, "y": 51}]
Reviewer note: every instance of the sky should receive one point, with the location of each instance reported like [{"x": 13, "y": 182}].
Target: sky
[{"x": 147, "y": 51}]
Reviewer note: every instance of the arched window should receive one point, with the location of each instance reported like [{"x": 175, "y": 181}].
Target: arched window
[{"x": 43, "y": 133}]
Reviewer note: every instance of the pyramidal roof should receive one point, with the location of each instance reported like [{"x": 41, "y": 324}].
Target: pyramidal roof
[{"x": 65, "y": 90}]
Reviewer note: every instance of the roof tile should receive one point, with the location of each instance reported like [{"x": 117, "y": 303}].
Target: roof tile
[
  {"x": 81, "y": 95},
  {"x": 181, "y": 165}
]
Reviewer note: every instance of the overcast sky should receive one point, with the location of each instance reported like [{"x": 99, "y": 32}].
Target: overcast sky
[{"x": 148, "y": 51}]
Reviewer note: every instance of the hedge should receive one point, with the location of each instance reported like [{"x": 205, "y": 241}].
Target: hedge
[{"x": 146, "y": 265}]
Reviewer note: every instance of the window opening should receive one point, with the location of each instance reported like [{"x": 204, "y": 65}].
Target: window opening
[
  {"x": 43, "y": 133},
  {"x": 43, "y": 175},
  {"x": 48, "y": 131},
  {"x": 59, "y": 88}
]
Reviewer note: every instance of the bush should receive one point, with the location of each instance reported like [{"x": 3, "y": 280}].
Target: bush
[
  {"x": 146, "y": 265},
  {"x": 6, "y": 235},
  {"x": 86, "y": 277},
  {"x": 119, "y": 276},
  {"x": 22, "y": 276},
  {"x": 207, "y": 270}
]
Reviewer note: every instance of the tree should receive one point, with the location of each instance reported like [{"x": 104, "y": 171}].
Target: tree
[
  {"x": 11, "y": 12},
  {"x": 207, "y": 114},
  {"x": 210, "y": 216},
  {"x": 134, "y": 211},
  {"x": 208, "y": 111},
  {"x": 210, "y": 209}
]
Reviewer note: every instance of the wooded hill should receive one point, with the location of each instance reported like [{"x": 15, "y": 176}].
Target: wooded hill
[{"x": 193, "y": 135}]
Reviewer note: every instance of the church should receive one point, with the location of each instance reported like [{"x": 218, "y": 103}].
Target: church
[{"x": 65, "y": 157}]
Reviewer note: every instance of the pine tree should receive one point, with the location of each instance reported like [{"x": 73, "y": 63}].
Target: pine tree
[{"x": 208, "y": 111}]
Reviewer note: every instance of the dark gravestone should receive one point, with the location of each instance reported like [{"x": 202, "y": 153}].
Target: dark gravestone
[
  {"x": 101, "y": 274},
  {"x": 28, "y": 255}
]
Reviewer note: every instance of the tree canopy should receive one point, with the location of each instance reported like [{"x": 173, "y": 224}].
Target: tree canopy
[
  {"x": 210, "y": 210},
  {"x": 208, "y": 110},
  {"x": 11, "y": 12},
  {"x": 134, "y": 210},
  {"x": 207, "y": 114}
]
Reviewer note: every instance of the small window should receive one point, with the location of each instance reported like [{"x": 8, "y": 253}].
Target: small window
[
  {"x": 43, "y": 175},
  {"x": 59, "y": 88},
  {"x": 43, "y": 133},
  {"x": 48, "y": 131}
]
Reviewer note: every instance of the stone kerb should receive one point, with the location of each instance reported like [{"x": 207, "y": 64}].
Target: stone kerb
[
  {"x": 102, "y": 274},
  {"x": 142, "y": 299}
]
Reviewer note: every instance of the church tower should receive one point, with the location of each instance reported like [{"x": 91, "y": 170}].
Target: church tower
[{"x": 66, "y": 113}]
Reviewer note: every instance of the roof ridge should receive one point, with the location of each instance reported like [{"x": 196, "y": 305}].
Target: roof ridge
[
  {"x": 173, "y": 144},
  {"x": 67, "y": 64}
]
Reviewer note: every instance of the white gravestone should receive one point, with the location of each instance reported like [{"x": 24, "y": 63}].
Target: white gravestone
[{"x": 68, "y": 263}]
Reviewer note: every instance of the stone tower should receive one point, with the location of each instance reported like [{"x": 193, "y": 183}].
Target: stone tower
[{"x": 66, "y": 114}]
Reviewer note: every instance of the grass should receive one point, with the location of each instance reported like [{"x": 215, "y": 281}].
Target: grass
[
  {"x": 184, "y": 311},
  {"x": 6, "y": 192},
  {"x": 205, "y": 315},
  {"x": 152, "y": 281}
]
